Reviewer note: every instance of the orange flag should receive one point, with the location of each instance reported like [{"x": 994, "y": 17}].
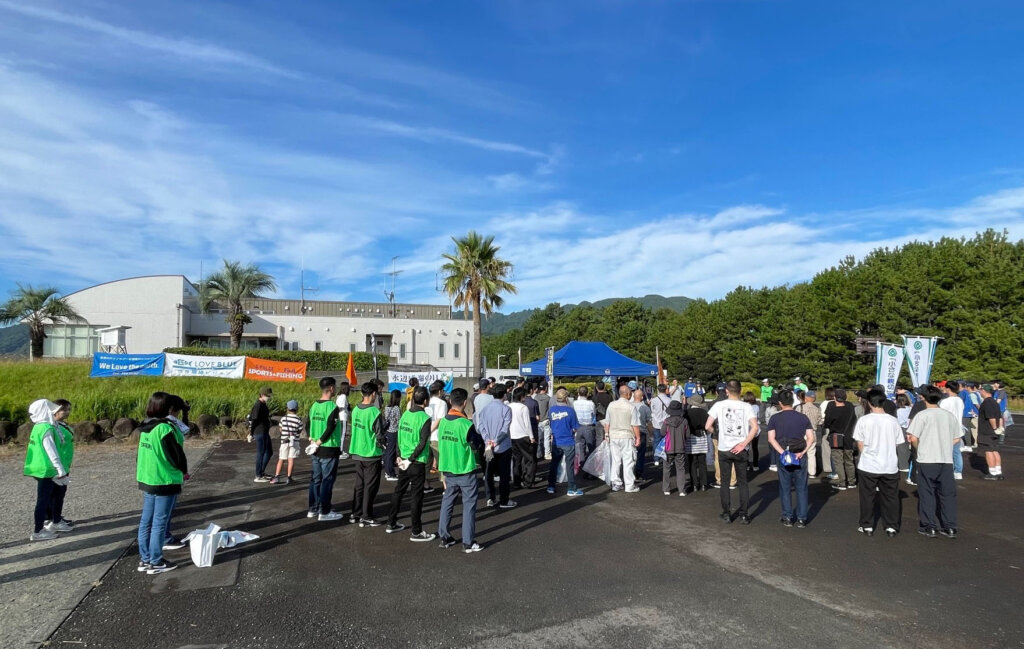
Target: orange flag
[{"x": 350, "y": 371}]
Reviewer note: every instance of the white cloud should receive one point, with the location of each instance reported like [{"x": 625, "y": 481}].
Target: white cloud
[{"x": 186, "y": 49}]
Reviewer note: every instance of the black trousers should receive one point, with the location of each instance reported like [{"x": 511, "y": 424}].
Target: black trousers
[
  {"x": 524, "y": 462},
  {"x": 697, "y": 465},
  {"x": 887, "y": 498},
  {"x": 753, "y": 458},
  {"x": 44, "y": 501},
  {"x": 365, "y": 490},
  {"x": 730, "y": 462},
  {"x": 502, "y": 465},
  {"x": 412, "y": 478},
  {"x": 936, "y": 496}
]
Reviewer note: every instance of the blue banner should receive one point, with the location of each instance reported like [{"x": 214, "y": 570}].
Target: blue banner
[
  {"x": 400, "y": 380},
  {"x": 127, "y": 365}
]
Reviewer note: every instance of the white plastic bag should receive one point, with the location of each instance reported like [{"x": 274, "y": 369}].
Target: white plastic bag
[
  {"x": 599, "y": 463},
  {"x": 204, "y": 543}
]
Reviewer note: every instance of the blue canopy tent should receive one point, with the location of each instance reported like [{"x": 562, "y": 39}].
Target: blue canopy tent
[{"x": 589, "y": 359}]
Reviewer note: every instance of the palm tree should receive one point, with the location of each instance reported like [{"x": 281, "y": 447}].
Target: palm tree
[
  {"x": 475, "y": 278},
  {"x": 37, "y": 307},
  {"x": 229, "y": 286}
]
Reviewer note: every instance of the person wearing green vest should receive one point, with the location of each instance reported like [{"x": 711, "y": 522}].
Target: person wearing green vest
[
  {"x": 44, "y": 462},
  {"x": 55, "y": 520},
  {"x": 325, "y": 434},
  {"x": 459, "y": 448},
  {"x": 413, "y": 455},
  {"x": 367, "y": 449},
  {"x": 161, "y": 468}
]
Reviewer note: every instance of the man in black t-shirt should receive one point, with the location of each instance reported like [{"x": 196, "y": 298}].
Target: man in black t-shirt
[
  {"x": 989, "y": 419},
  {"x": 840, "y": 420},
  {"x": 259, "y": 430}
]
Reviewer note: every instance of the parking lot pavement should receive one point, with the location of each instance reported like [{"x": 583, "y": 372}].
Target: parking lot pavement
[{"x": 602, "y": 570}]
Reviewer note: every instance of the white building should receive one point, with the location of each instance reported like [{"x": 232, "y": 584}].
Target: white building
[{"x": 163, "y": 311}]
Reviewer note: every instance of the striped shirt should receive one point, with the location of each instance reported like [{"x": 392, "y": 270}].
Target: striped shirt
[{"x": 291, "y": 428}]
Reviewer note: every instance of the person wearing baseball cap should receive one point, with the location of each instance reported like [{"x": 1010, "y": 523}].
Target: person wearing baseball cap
[
  {"x": 291, "y": 430},
  {"x": 989, "y": 421}
]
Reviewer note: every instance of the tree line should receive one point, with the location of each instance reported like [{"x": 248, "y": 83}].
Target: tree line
[{"x": 969, "y": 292}]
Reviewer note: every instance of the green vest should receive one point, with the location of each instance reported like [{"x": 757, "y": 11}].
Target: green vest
[
  {"x": 409, "y": 427},
  {"x": 766, "y": 392},
  {"x": 37, "y": 463},
  {"x": 454, "y": 454},
  {"x": 65, "y": 446},
  {"x": 153, "y": 467},
  {"x": 319, "y": 413},
  {"x": 363, "y": 443}
]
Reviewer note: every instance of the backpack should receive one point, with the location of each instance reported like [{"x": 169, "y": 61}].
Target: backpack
[{"x": 677, "y": 426}]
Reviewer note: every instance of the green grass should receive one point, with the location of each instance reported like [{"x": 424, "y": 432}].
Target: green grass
[{"x": 21, "y": 383}]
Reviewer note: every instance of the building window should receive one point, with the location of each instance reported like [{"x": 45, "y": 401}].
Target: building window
[
  {"x": 351, "y": 347},
  {"x": 318, "y": 346},
  {"x": 295, "y": 347},
  {"x": 455, "y": 350},
  {"x": 440, "y": 350},
  {"x": 401, "y": 350},
  {"x": 72, "y": 341}
]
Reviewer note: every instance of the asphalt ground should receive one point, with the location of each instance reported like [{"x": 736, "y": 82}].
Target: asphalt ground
[{"x": 602, "y": 570}]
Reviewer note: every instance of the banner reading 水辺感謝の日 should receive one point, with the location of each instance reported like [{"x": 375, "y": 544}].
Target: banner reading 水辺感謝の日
[
  {"x": 920, "y": 351},
  {"x": 400, "y": 380},
  {"x": 223, "y": 367},
  {"x": 888, "y": 359}
]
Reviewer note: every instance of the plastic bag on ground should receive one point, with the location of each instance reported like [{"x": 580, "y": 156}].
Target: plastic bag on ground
[{"x": 204, "y": 543}]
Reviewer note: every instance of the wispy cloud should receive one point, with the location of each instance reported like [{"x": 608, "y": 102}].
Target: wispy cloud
[{"x": 183, "y": 48}]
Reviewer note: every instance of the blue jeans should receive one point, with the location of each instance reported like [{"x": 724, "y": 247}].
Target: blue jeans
[
  {"x": 958, "y": 458},
  {"x": 156, "y": 512},
  {"x": 321, "y": 486},
  {"x": 467, "y": 485},
  {"x": 557, "y": 453},
  {"x": 793, "y": 478},
  {"x": 167, "y": 532},
  {"x": 655, "y": 440}
]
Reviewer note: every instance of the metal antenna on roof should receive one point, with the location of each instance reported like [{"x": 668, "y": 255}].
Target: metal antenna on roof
[
  {"x": 391, "y": 295},
  {"x": 303, "y": 289}
]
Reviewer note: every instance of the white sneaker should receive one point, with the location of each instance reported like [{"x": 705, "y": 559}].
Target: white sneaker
[
  {"x": 330, "y": 516},
  {"x": 958, "y": 476},
  {"x": 966, "y": 449},
  {"x": 667, "y": 493},
  {"x": 490, "y": 502},
  {"x": 632, "y": 490},
  {"x": 469, "y": 549},
  {"x": 773, "y": 468},
  {"x": 261, "y": 478},
  {"x": 43, "y": 535},
  {"x": 509, "y": 505},
  {"x": 311, "y": 514}
]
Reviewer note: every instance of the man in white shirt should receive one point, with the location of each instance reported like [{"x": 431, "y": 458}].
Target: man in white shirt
[
  {"x": 737, "y": 427},
  {"x": 933, "y": 432},
  {"x": 877, "y": 435},
  {"x": 953, "y": 404},
  {"x": 437, "y": 407},
  {"x": 344, "y": 414},
  {"x": 586, "y": 414},
  {"x": 622, "y": 429},
  {"x": 646, "y": 428},
  {"x": 524, "y": 463}
]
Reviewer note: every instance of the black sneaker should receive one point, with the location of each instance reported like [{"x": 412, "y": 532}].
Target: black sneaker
[
  {"x": 391, "y": 529},
  {"x": 744, "y": 519},
  {"x": 725, "y": 517},
  {"x": 929, "y": 532},
  {"x": 163, "y": 566},
  {"x": 866, "y": 531},
  {"x": 801, "y": 523},
  {"x": 366, "y": 522},
  {"x": 174, "y": 544},
  {"x": 949, "y": 534},
  {"x": 786, "y": 522},
  {"x": 143, "y": 566},
  {"x": 447, "y": 542}
]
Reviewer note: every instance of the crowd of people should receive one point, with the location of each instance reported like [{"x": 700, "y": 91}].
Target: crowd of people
[{"x": 504, "y": 430}]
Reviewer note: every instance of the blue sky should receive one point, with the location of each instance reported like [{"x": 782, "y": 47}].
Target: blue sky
[{"x": 612, "y": 148}]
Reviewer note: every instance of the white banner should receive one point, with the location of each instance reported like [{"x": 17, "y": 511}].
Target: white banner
[
  {"x": 400, "y": 380},
  {"x": 223, "y": 367},
  {"x": 888, "y": 360},
  {"x": 920, "y": 351}
]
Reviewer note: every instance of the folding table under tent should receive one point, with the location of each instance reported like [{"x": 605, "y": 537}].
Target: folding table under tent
[{"x": 589, "y": 359}]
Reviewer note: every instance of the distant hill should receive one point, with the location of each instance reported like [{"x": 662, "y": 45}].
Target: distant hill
[
  {"x": 14, "y": 340},
  {"x": 499, "y": 323}
]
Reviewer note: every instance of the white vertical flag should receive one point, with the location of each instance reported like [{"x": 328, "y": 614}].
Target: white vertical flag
[
  {"x": 920, "y": 357},
  {"x": 888, "y": 359}
]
